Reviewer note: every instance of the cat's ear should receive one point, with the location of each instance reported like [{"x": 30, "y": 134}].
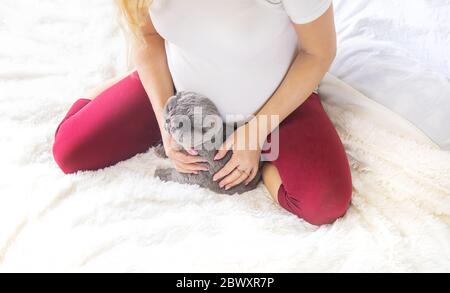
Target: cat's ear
[{"x": 170, "y": 104}]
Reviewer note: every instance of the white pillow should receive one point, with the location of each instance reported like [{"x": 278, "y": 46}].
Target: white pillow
[{"x": 396, "y": 53}]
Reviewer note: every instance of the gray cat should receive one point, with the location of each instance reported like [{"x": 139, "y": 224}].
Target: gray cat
[{"x": 194, "y": 123}]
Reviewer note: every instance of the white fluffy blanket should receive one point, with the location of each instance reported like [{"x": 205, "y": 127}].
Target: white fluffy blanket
[{"x": 122, "y": 219}]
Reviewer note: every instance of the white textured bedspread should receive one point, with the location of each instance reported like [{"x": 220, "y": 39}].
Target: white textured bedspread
[{"x": 122, "y": 219}]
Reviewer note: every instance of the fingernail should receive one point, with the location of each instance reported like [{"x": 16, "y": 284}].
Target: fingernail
[
  {"x": 192, "y": 152},
  {"x": 226, "y": 188}
]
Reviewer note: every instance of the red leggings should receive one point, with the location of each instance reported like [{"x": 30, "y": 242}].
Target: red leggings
[{"x": 120, "y": 123}]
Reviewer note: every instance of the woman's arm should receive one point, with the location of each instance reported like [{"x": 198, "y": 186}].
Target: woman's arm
[
  {"x": 150, "y": 58},
  {"x": 317, "y": 49}
]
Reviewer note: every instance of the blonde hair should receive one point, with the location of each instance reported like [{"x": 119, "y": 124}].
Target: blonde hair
[{"x": 134, "y": 12}]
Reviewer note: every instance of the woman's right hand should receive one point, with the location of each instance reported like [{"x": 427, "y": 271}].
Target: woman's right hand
[{"x": 189, "y": 162}]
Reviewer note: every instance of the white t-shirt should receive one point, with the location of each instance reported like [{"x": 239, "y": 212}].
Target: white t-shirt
[{"x": 235, "y": 52}]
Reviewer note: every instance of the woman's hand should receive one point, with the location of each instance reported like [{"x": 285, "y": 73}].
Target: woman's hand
[
  {"x": 184, "y": 163},
  {"x": 244, "y": 163}
]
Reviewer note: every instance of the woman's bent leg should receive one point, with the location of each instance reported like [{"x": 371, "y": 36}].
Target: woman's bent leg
[
  {"x": 118, "y": 124},
  {"x": 313, "y": 167}
]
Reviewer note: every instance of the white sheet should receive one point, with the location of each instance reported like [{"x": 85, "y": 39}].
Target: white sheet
[
  {"x": 397, "y": 53},
  {"x": 121, "y": 219}
]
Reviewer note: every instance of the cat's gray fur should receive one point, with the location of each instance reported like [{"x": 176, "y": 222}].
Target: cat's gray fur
[{"x": 184, "y": 103}]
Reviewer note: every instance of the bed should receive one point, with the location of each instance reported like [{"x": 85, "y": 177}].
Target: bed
[{"x": 121, "y": 219}]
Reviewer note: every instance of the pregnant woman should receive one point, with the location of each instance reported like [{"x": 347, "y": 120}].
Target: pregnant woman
[{"x": 252, "y": 58}]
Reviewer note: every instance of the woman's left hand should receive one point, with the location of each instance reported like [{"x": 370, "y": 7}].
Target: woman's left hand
[{"x": 244, "y": 163}]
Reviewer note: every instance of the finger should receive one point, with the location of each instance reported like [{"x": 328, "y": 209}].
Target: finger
[
  {"x": 188, "y": 159},
  {"x": 192, "y": 152},
  {"x": 230, "y": 178},
  {"x": 221, "y": 153},
  {"x": 252, "y": 176},
  {"x": 238, "y": 181},
  {"x": 227, "y": 169},
  {"x": 193, "y": 167},
  {"x": 184, "y": 170},
  {"x": 223, "y": 150}
]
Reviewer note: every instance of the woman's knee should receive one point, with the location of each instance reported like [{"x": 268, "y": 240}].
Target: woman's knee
[
  {"x": 81, "y": 146},
  {"x": 330, "y": 207},
  {"x": 67, "y": 155},
  {"x": 318, "y": 206},
  {"x": 66, "y": 149}
]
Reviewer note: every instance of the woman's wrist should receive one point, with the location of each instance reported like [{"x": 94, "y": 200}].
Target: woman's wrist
[
  {"x": 165, "y": 136},
  {"x": 259, "y": 128}
]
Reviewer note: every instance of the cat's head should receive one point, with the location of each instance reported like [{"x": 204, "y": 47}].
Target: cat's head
[{"x": 193, "y": 120}]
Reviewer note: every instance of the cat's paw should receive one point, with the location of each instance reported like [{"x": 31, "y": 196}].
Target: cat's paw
[
  {"x": 164, "y": 174},
  {"x": 160, "y": 151}
]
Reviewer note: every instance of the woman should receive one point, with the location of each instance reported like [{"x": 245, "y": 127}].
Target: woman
[{"x": 251, "y": 57}]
